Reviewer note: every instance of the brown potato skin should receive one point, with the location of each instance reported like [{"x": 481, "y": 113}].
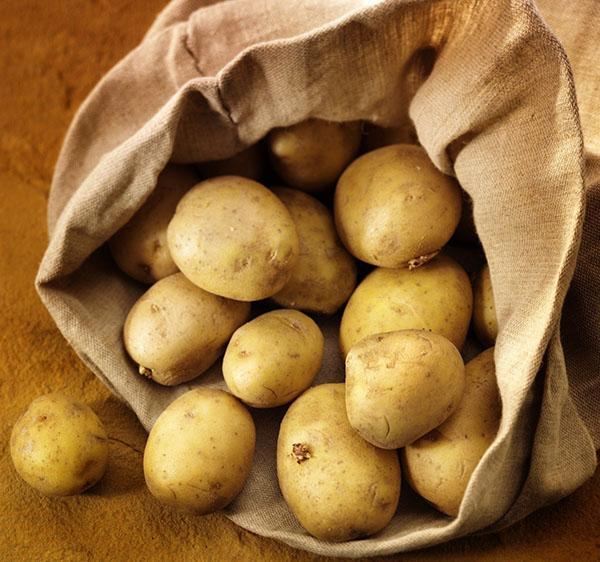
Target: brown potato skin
[
  {"x": 176, "y": 331},
  {"x": 436, "y": 296},
  {"x": 393, "y": 207},
  {"x": 347, "y": 488},
  {"x": 325, "y": 274},
  {"x": 439, "y": 465},
  {"x": 140, "y": 248},
  {"x": 312, "y": 154},
  {"x": 485, "y": 322}
]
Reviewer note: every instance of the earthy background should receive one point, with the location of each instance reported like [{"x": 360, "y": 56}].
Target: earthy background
[{"x": 52, "y": 55}]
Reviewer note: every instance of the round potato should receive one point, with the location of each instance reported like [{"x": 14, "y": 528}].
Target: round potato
[
  {"x": 325, "y": 274},
  {"x": 394, "y": 208},
  {"x": 484, "y": 309},
  {"x": 401, "y": 385},
  {"x": 439, "y": 465},
  {"x": 273, "y": 358},
  {"x": 249, "y": 163},
  {"x": 436, "y": 297},
  {"x": 175, "y": 331},
  {"x": 337, "y": 485},
  {"x": 140, "y": 247},
  {"x": 59, "y": 446},
  {"x": 312, "y": 154},
  {"x": 233, "y": 237},
  {"x": 199, "y": 452}
]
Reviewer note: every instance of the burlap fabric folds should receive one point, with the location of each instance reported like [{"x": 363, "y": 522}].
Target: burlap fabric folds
[{"x": 490, "y": 92}]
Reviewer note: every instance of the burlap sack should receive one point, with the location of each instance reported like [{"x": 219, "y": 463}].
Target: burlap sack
[{"x": 491, "y": 95}]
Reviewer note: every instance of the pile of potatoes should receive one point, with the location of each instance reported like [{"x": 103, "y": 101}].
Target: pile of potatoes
[{"x": 333, "y": 228}]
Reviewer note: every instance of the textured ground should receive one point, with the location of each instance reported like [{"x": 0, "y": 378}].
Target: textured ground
[{"x": 52, "y": 54}]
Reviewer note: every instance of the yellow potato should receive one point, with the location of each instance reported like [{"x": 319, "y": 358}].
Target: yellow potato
[
  {"x": 140, "y": 247},
  {"x": 325, "y": 274},
  {"x": 233, "y": 237},
  {"x": 249, "y": 163},
  {"x": 394, "y": 208},
  {"x": 273, "y": 358},
  {"x": 199, "y": 452},
  {"x": 312, "y": 154},
  {"x": 484, "y": 309},
  {"x": 439, "y": 465},
  {"x": 59, "y": 446},
  {"x": 175, "y": 331},
  {"x": 436, "y": 297},
  {"x": 401, "y": 385},
  {"x": 338, "y": 486}
]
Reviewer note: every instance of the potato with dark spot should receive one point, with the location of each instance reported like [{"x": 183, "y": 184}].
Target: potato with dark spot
[
  {"x": 401, "y": 385},
  {"x": 325, "y": 274},
  {"x": 312, "y": 154},
  {"x": 440, "y": 464},
  {"x": 59, "y": 446},
  {"x": 485, "y": 322},
  {"x": 176, "y": 330},
  {"x": 394, "y": 208},
  {"x": 199, "y": 452},
  {"x": 273, "y": 358},
  {"x": 436, "y": 297},
  {"x": 233, "y": 237},
  {"x": 140, "y": 247},
  {"x": 248, "y": 163},
  {"x": 339, "y": 486}
]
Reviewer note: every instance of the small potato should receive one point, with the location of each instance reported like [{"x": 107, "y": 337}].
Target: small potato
[
  {"x": 249, "y": 163},
  {"x": 175, "y": 331},
  {"x": 338, "y": 486},
  {"x": 273, "y": 358},
  {"x": 140, "y": 247},
  {"x": 325, "y": 274},
  {"x": 394, "y": 208},
  {"x": 401, "y": 385},
  {"x": 312, "y": 154},
  {"x": 439, "y": 465},
  {"x": 199, "y": 452},
  {"x": 59, "y": 446},
  {"x": 436, "y": 297},
  {"x": 233, "y": 237},
  {"x": 484, "y": 309}
]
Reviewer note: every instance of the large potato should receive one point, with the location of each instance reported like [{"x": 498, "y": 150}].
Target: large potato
[
  {"x": 273, "y": 358},
  {"x": 175, "y": 331},
  {"x": 59, "y": 446},
  {"x": 249, "y": 163},
  {"x": 140, "y": 247},
  {"x": 401, "y": 385},
  {"x": 439, "y": 465},
  {"x": 325, "y": 274},
  {"x": 338, "y": 486},
  {"x": 312, "y": 154},
  {"x": 394, "y": 208},
  {"x": 484, "y": 309},
  {"x": 199, "y": 452},
  {"x": 436, "y": 297},
  {"x": 233, "y": 237}
]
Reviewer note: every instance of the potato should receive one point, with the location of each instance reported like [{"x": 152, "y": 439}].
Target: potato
[
  {"x": 401, "y": 385},
  {"x": 436, "y": 297},
  {"x": 140, "y": 247},
  {"x": 484, "y": 309},
  {"x": 59, "y": 446},
  {"x": 273, "y": 358},
  {"x": 312, "y": 154},
  {"x": 175, "y": 331},
  {"x": 199, "y": 452},
  {"x": 249, "y": 163},
  {"x": 325, "y": 274},
  {"x": 338, "y": 486},
  {"x": 439, "y": 465},
  {"x": 394, "y": 208},
  {"x": 233, "y": 237}
]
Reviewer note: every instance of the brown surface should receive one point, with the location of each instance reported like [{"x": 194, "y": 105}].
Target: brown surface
[{"x": 52, "y": 55}]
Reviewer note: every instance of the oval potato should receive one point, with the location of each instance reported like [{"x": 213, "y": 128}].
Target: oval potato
[{"x": 485, "y": 322}]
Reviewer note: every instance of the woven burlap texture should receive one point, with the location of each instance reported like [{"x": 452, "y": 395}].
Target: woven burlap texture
[{"x": 491, "y": 95}]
